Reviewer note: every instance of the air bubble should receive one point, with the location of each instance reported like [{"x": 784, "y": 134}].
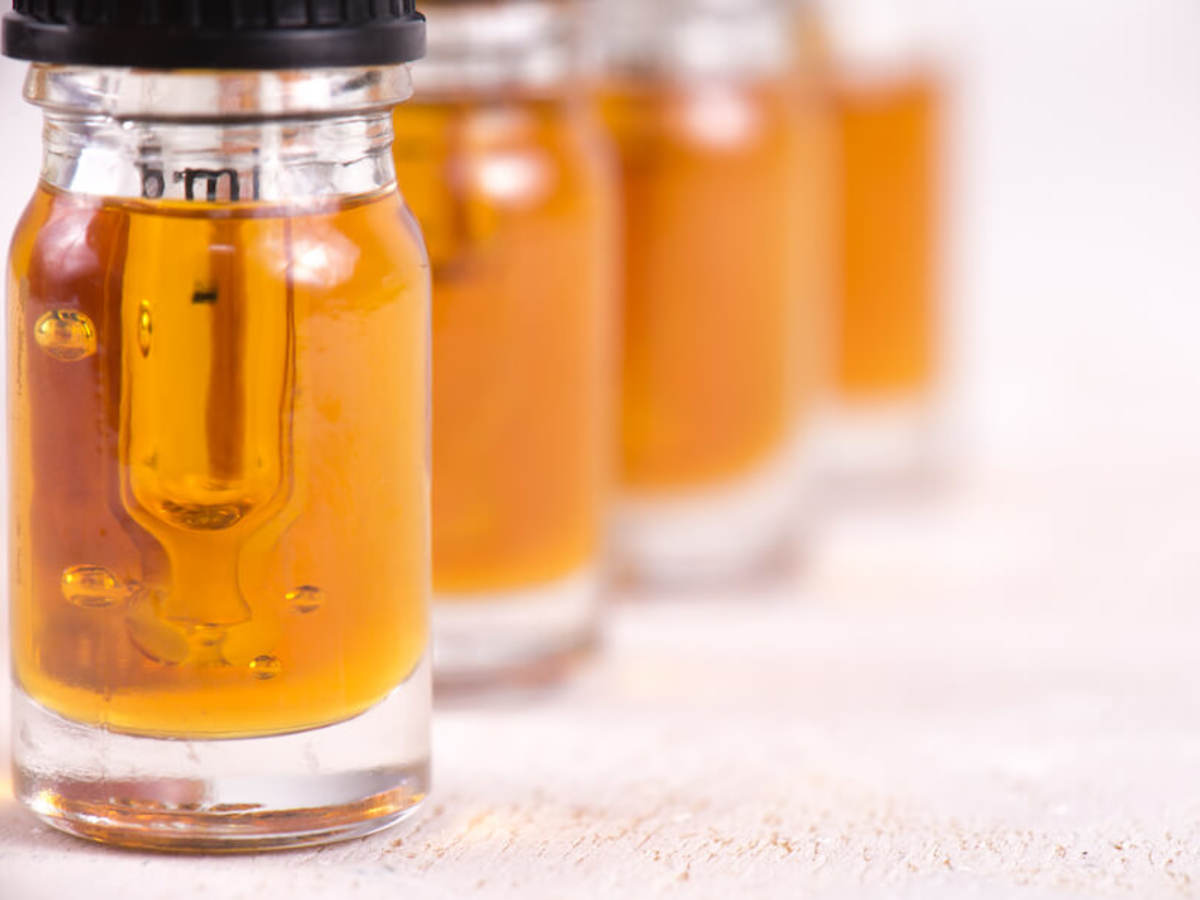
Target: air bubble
[
  {"x": 145, "y": 327},
  {"x": 264, "y": 667},
  {"x": 65, "y": 334},
  {"x": 92, "y": 587},
  {"x": 305, "y": 599},
  {"x": 252, "y": 640},
  {"x": 157, "y": 639}
]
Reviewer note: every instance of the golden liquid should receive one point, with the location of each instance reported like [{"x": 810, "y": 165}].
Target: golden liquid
[
  {"x": 218, "y": 432},
  {"x": 817, "y": 188},
  {"x": 717, "y": 308},
  {"x": 514, "y": 203},
  {"x": 888, "y": 320}
]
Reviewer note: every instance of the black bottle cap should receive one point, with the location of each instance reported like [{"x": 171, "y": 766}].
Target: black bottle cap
[{"x": 215, "y": 34}]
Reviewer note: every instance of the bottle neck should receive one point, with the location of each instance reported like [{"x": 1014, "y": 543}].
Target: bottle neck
[
  {"x": 880, "y": 40},
  {"x": 695, "y": 40},
  {"x": 217, "y": 137},
  {"x": 527, "y": 47}
]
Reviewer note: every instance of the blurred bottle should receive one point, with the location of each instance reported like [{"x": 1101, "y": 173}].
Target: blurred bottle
[
  {"x": 708, "y": 115},
  {"x": 887, "y": 368},
  {"x": 499, "y": 157}
]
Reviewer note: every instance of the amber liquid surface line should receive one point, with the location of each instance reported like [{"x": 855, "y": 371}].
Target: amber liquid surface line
[
  {"x": 887, "y": 316},
  {"x": 220, "y": 495},
  {"x": 513, "y": 200}
]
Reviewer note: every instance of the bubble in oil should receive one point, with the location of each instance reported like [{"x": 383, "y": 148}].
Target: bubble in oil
[
  {"x": 252, "y": 640},
  {"x": 156, "y": 638},
  {"x": 92, "y": 587},
  {"x": 145, "y": 327},
  {"x": 304, "y": 599},
  {"x": 65, "y": 334},
  {"x": 265, "y": 666}
]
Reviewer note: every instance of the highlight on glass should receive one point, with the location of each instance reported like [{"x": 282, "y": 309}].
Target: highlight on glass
[{"x": 218, "y": 330}]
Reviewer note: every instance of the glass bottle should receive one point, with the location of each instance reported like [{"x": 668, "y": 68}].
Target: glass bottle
[
  {"x": 504, "y": 167},
  {"x": 703, "y": 101},
  {"x": 218, "y": 401},
  {"x": 888, "y": 366}
]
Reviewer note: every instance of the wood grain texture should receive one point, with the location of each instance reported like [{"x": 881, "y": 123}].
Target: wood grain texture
[{"x": 992, "y": 693}]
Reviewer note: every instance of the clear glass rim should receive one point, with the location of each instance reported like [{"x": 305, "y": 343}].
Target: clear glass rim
[
  {"x": 209, "y": 95},
  {"x": 689, "y": 39}
]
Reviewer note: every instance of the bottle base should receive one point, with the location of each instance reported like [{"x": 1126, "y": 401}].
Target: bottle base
[
  {"x": 218, "y": 796},
  {"x": 881, "y": 448},
  {"x": 526, "y": 637},
  {"x": 713, "y": 535}
]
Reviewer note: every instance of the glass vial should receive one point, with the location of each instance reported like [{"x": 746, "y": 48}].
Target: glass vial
[
  {"x": 503, "y": 164},
  {"x": 218, "y": 394},
  {"x": 887, "y": 368},
  {"x": 705, "y": 105}
]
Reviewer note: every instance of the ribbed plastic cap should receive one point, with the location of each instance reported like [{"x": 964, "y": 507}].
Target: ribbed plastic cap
[{"x": 215, "y": 34}]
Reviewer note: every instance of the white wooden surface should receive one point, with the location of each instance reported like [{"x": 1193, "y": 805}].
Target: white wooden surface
[{"x": 990, "y": 694}]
